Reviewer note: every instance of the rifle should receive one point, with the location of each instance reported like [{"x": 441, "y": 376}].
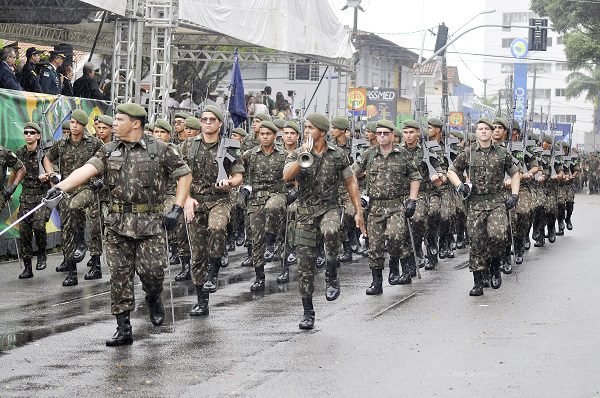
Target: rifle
[
  {"x": 427, "y": 146},
  {"x": 356, "y": 142},
  {"x": 225, "y": 142}
]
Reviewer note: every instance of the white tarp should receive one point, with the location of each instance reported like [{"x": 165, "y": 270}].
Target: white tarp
[
  {"x": 114, "y": 6},
  {"x": 295, "y": 26}
]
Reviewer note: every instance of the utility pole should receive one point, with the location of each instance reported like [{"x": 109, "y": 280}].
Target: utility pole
[
  {"x": 485, "y": 87},
  {"x": 533, "y": 93}
]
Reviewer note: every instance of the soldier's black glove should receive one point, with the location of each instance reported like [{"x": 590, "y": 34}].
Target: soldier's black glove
[
  {"x": 171, "y": 217},
  {"x": 511, "y": 201},
  {"x": 410, "y": 206},
  {"x": 55, "y": 179},
  {"x": 464, "y": 190},
  {"x": 53, "y": 196},
  {"x": 8, "y": 191},
  {"x": 97, "y": 185},
  {"x": 292, "y": 196}
]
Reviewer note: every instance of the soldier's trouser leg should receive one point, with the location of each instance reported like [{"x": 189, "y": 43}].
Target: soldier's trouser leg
[
  {"x": 376, "y": 227},
  {"x": 330, "y": 229},
  {"x": 183, "y": 245},
  {"x": 40, "y": 218},
  {"x": 256, "y": 218},
  {"x": 275, "y": 219},
  {"x": 305, "y": 241},
  {"x": 125, "y": 257},
  {"x": 399, "y": 244},
  {"x": 95, "y": 244},
  {"x": 69, "y": 232},
  {"x": 522, "y": 220},
  {"x": 487, "y": 230},
  {"x": 447, "y": 210},
  {"x": 26, "y": 232},
  {"x": 82, "y": 201}
]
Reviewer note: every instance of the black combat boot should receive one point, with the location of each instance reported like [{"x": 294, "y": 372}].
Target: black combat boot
[
  {"x": 432, "y": 251},
  {"x": 63, "y": 267},
  {"x": 231, "y": 243},
  {"x": 241, "y": 228},
  {"x": 225, "y": 259},
  {"x": 41, "y": 261},
  {"x": 539, "y": 234},
  {"x": 376, "y": 287},
  {"x": 269, "y": 247},
  {"x": 285, "y": 272},
  {"x": 259, "y": 282},
  {"x": 332, "y": 282},
  {"x": 506, "y": 261},
  {"x": 394, "y": 277},
  {"x": 184, "y": 275},
  {"x": 485, "y": 278},
  {"x": 123, "y": 334},
  {"x": 79, "y": 253},
  {"x": 27, "y": 272},
  {"x": 478, "y": 284},
  {"x": 519, "y": 250},
  {"x": 291, "y": 258},
  {"x": 248, "y": 260},
  {"x": 551, "y": 232},
  {"x": 561, "y": 228},
  {"x": 419, "y": 251},
  {"x": 346, "y": 257},
  {"x": 210, "y": 285},
  {"x": 71, "y": 279},
  {"x": 460, "y": 237},
  {"x": 95, "y": 272},
  {"x": 353, "y": 239},
  {"x": 155, "y": 309},
  {"x": 527, "y": 242},
  {"x": 308, "y": 322},
  {"x": 496, "y": 280},
  {"x": 201, "y": 307},
  {"x": 405, "y": 278},
  {"x": 450, "y": 246},
  {"x": 569, "y": 209},
  {"x": 173, "y": 257},
  {"x": 443, "y": 247}
]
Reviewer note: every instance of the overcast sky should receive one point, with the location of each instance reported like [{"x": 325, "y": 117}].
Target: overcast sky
[{"x": 396, "y": 19}]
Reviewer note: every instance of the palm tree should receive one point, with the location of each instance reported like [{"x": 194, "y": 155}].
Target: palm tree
[{"x": 586, "y": 80}]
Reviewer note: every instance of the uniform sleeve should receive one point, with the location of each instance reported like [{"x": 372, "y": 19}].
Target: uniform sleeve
[
  {"x": 174, "y": 164},
  {"x": 291, "y": 157},
  {"x": 98, "y": 160},
  {"x": 532, "y": 162},
  {"x": 52, "y": 153},
  {"x": 345, "y": 165},
  {"x": 509, "y": 167},
  {"x": 461, "y": 163},
  {"x": 13, "y": 161}
]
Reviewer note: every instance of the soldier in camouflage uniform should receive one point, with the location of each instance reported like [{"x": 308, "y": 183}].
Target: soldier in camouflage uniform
[
  {"x": 553, "y": 173},
  {"x": 32, "y": 192},
  {"x": 136, "y": 169},
  {"x": 486, "y": 164},
  {"x": 208, "y": 208},
  {"x": 179, "y": 135},
  {"x": 571, "y": 186},
  {"x": 266, "y": 198},
  {"x": 71, "y": 153},
  {"x": 236, "y": 229},
  {"x": 392, "y": 186},
  {"x": 9, "y": 159},
  {"x": 318, "y": 209}
]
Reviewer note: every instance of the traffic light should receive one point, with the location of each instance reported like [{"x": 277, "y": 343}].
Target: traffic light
[
  {"x": 538, "y": 34},
  {"x": 442, "y": 38}
]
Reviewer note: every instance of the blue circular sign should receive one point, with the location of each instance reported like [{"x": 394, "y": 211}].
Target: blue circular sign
[{"x": 519, "y": 48}]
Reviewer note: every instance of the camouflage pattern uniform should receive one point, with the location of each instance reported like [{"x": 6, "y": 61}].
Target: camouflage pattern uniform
[
  {"x": 318, "y": 210},
  {"x": 7, "y": 159},
  {"x": 32, "y": 192},
  {"x": 348, "y": 229},
  {"x": 136, "y": 175},
  {"x": 522, "y": 214},
  {"x": 208, "y": 229},
  {"x": 487, "y": 222}
]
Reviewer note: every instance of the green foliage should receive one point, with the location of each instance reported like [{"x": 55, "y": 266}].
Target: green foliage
[{"x": 586, "y": 82}]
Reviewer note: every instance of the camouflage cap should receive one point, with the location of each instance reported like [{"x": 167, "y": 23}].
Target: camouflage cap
[
  {"x": 80, "y": 116},
  {"x": 372, "y": 127},
  {"x": 66, "y": 125},
  {"x": 435, "y": 122},
  {"x": 239, "y": 131},
  {"x": 501, "y": 122},
  {"x": 293, "y": 125},
  {"x": 180, "y": 115},
  {"x": 472, "y": 137},
  {"x": 263, "y": 117},
  {"x": 193, "y": 123},
  {"x": 516, "y": 126},
  {"x": 565, "y": 144},
  {"x": 163, "y": 124},
  {"x": 547, "y": 138},
  {"x": 487, "y": 122},
  {"x": 106, "y": 120},
  {"x": 386, "y": 124},
  {"x": 149, "y": 127},
  {"x": 397, "y": 132},
  {"x": 319, "y": 121},
  {"x": 269, "y": 125},
  {"x": 133, "y": 110},
  {"x": 534, "y": 136},
  {"x": 458, "y": 134},
  {"x": 410, "y": 124},
  {"x": 214, "y": 110},
  {"x": 280, "y": 123},
  {"x": 34, "y": 126},
  {"x": 340, "y": 122}
]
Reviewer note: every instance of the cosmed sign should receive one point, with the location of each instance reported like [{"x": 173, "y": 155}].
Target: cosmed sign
[
  {"x": 519, "y": 50},
  {"x": 381, "y": 104}
]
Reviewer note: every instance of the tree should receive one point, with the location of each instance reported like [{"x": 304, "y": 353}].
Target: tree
[{"x": 586, "y": 81}]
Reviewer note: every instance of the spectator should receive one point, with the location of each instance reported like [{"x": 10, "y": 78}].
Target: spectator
[
  {"x": 86, "y": 86},
  {"x": 50, "y": 80},
  {"x": 259, "y": 106},
  {"x": 172, "y": 102},
  {"x": 29, "y": 79},
  {"x": 8, "y": 79},
  {"x": 279, "y": 102},
  {"x": 251, "y": 106},
  {"x": 67, "y": 86},
  {"x": 268, "y": 101},
  {"x": 187, "y": 102}
]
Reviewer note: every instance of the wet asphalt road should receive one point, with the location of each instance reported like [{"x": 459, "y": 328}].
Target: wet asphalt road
[{"x": 538, "y": 336}]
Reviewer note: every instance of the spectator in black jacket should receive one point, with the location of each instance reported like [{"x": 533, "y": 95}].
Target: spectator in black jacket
[
  {"x": 86, "y": 86},
  {"x": 8, "y": 79},
  {"x": 29, "y": 79}
]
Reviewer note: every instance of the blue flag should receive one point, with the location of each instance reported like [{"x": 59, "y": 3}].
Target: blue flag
[
  {"x": 237, "y": 102},
  {"x": 58, "y": 133}
]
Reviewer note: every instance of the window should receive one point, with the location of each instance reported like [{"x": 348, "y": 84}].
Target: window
[
  {"x": 549, "y": 42},
  {"x": 559, "y": 40},
  {"x": 562, "y": 66},
  {"x": 565, "y": 118},
  {"x": 540, "y": 93},
  {"x": 541, "y": 67},
  {"x": 508, "y": 18},
  {"x": 507, "y": 42},
  {"x": 308, "y": 71},
  {"x": 560, "y": 92},
  {"x": 507, "y": 68}
]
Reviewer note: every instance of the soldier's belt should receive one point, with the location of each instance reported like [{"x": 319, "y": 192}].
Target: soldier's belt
[
  {"x": 485, "y": 196},
  {"x": 386, "y": 202},
  {"x": 133, "y": 208},
  {"x": 210, "y": 198}
]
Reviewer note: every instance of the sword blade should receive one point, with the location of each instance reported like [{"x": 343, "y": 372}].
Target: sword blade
[{"x": 24, "y": 216}]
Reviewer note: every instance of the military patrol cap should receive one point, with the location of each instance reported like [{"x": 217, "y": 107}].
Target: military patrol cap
[
  {"x": 280, "y": 123},
  {"x": 458, "y": 134},
  {"x": 319, "y": 121},
  {"x": 340, "y": 122},
  {"x": 133, "y": 110},
  {"x": 472, "y": 137},
  {"x": 214, "y": 110},
  {"x": 548, "y": 138},
  {"x": 32, "y": 51},
  {"x": 33, "y": 125},
  {"x": 193, "y": 123},
  {"x": 397, "y": 132},
  {"x": 486, "y": 121},
  {"x": 80, "y": 116},
  {"x": 516, "y": 126},
  {"x": 435, "y": 122},
  {"x": 163, "y": 124},
  {"x": 181, "y": 115},
  {"x": 411, "y": 124},
  {"x": 293, "y": 125},
  {"x": 534, "y": 136},
  {"x": 263, "y": 117},
  {"x": 565, "y": 144},
  {"x": 57, "y": 54},
  {"x": 270, "y": 125},
  {"x": 501, "y": 122},
  {"x": 66, "y": 125},
  {"x": 106, "y": 120},
  {"x": 386, "y": 124},
  {"x": 239, "y": 131},
  {"x": 149, "y": 127},
  {"x": 372, "y": 127}
]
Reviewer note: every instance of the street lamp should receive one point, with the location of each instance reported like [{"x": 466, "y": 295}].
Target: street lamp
[{"x": 474, "y": 16}]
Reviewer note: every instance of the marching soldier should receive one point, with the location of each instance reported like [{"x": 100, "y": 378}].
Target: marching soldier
[
  {"x": 318, "y": 210},
  {"x": 393, "y": 185},
  {"x": 179, "y": 127},
  {"x": 136, "y": 169},
  {"x": 208, "y": 207},
  {"x": 192, "y": 127},
  {"x": 31, "y": 194},
  {"x": 571, "y": 186},
  {"x": 104, "y": 129},
  {"x": 486, "y": 164}
]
